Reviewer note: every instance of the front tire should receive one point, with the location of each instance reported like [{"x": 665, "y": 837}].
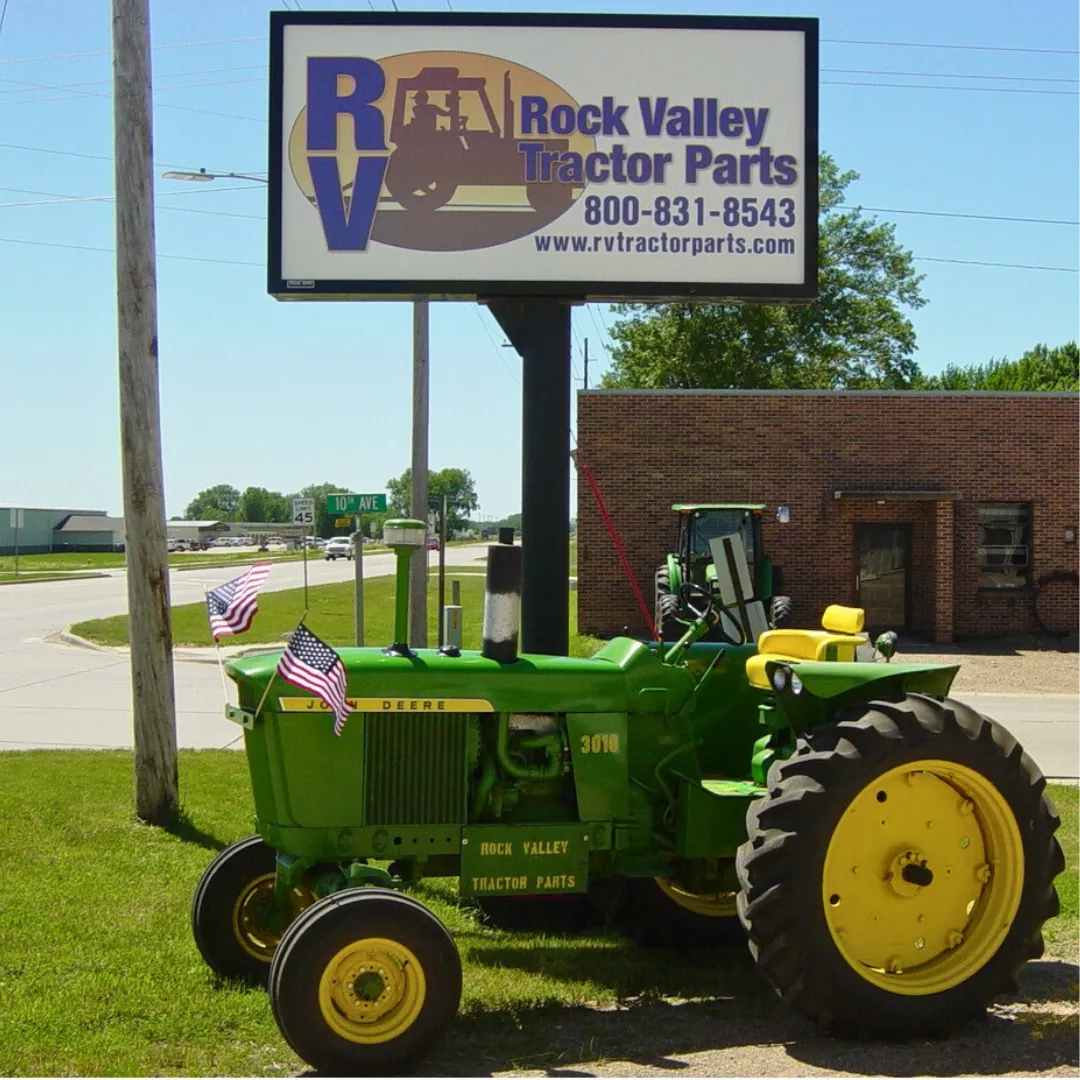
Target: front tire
[
  {"x": 899, "y": 871},
  {"x": 232, "y": 913},
  {"x": 366, "y": 981},
  {"x": 668, "y": 624}
]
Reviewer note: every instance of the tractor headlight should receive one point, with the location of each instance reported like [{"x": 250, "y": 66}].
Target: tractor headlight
[
  {"x": 781, "y": 679},
  {"x": 796, "y": 684}
]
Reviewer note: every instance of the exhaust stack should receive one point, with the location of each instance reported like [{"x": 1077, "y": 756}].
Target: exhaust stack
[{"x": 502, "y": 601}]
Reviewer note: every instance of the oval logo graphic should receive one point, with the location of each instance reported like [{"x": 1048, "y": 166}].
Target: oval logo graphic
[{"x": 450, "y": 169}]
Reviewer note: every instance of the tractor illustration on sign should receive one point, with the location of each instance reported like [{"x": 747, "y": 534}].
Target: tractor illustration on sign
[
  {"x": 887, "y": 852},
  {"x": 430, "y": 163}
]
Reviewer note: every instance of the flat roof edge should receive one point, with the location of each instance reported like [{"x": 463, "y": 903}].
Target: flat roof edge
[{"x": 1023, "y": 394}]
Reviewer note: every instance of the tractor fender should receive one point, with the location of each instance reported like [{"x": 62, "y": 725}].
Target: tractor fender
[{"x": 829, "y": 679}]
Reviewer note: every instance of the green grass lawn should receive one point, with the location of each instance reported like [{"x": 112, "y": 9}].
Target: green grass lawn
[
  {"x": 99, "y": 974},
  {"x": 330, "y": 616}
]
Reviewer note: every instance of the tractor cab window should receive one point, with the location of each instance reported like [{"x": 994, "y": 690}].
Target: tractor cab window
[{"x": 709, "y": 524}]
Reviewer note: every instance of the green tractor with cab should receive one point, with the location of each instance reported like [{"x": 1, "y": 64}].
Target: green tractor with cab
[
  {"x": 702, "y": 526},
  {"x": 887, "y": 853}
]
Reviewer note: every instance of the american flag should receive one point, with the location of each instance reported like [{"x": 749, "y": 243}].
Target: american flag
[
  {"x": 232, "y": 606},
  {"x": 310, "y": 663}
]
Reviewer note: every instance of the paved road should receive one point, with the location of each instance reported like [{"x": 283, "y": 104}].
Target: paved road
[
  {"x": 60, "y": 695},
  {"x": 54, "y": 695}
]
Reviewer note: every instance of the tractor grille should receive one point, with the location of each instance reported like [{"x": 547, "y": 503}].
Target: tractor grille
[{"x": 415, "y": 769}]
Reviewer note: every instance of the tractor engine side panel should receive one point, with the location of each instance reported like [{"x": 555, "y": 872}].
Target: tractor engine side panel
[{"x": 601, "y": 762}]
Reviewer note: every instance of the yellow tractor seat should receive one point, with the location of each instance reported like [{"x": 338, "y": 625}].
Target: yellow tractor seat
[{"x": 838, "y": 640}]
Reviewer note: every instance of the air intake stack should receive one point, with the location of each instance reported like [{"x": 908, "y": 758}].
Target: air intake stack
[{"x": 502, "y": 603}]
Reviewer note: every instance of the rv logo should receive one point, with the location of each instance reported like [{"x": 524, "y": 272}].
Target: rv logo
[{"x": 428, "y": 150}]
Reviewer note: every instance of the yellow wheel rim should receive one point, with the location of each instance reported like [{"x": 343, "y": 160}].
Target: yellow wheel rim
[
  {"x": 923, "y": 877},
  {"x": 254, "y": 908},
  {"x": 719, "y": 905},
  {"x": 372, "y": 990}
]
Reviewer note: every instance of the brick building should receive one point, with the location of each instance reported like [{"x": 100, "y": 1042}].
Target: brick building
[{"x": 946, "y": 514}]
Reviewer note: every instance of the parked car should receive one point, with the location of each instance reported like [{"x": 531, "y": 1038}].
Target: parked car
[
  {"x": 338, "y": 548},
  {"x": 433, "y": 543}
]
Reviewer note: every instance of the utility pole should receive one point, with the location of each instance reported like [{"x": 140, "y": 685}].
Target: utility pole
[
  {"x": 153, "y": 698},
  {"x": 418, "y": 504},
  {"x": 586, "y": 387}
]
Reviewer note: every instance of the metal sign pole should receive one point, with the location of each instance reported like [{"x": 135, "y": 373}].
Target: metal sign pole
[
  {"x": 358, "y": 557},
  {"x": 303, "y": 544},
  {"x": 17, "y": 515}
]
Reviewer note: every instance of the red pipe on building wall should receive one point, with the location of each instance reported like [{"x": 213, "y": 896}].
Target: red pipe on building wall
[{"x": 618, "y": 547}]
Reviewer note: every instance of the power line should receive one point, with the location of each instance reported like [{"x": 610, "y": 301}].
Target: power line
[
  {"x": 945, "y": 75},
  {"x": 973, "y": 217},
  {"x": 942, "y": 45},
  {"x": 933, "y": 86},
  {"x": 108, "y": 157},
  {"x": 3, "y": 16},
  {"x": 157, "y": 77},
  {"x": 108, "y": 52},
  {"x": 112, "y": 251},
  {"x": 1011, "y": 266},
  {"x": 494, "y": 343}
]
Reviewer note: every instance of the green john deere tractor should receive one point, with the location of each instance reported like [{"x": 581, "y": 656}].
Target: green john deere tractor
[
  {"x": 692, "y": 560},
  {"x": 887, "y": 852}
]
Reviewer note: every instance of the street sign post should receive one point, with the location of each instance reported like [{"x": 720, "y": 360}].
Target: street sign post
[
  {"x": 303, "y": 513},
  {"x": 344, "y": 503}
]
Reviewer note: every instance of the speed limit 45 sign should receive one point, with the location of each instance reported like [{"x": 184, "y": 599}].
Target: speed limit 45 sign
[{"x": 303, "y": 511}]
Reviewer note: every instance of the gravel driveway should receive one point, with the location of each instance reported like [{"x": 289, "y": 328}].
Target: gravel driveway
[{"x": 1017, "y": 665}]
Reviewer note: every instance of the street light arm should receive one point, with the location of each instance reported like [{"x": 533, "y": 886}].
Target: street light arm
[{"x": 202, "y": 176}]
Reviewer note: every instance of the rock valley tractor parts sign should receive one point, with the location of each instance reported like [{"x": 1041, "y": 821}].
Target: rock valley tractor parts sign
[{"x": 469, "y": 155}]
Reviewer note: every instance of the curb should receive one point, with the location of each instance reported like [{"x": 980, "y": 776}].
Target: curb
[
  {"x": 187, "y": 655},
  {"x": 67, "y": 575}
]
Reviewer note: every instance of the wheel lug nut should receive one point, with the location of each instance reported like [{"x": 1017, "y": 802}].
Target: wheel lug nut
[
  {"x": 895, "y": 966},
  {"x": 953, "y": 938},
  {"x": 966, "y": 806},
  {"x": 920, "y": 943},
  {"x": 982, "y": 872}
]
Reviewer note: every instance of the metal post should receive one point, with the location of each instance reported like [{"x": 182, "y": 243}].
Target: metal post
[
  {"x": 442, "y": 567},
  {"x": 18, "y": 518},
  {"x": 540, "y": 331},
  {"x": 303, "y": 547},
  {"x": 358, "y": 558},
  {"x": 418, "y": 506},
  {"x": 156, "y": 780}
]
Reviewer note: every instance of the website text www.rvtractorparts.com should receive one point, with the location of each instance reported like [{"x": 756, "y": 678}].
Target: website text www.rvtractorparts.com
[{"x": 663, "y": 244}]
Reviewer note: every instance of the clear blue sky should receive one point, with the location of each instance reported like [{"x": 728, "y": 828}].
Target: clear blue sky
[{"x": 281, "y": 395}]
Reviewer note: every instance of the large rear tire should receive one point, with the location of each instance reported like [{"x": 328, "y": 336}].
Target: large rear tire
[
  {"x": 657, "y": 914},
  {"x": 899, "y": 871},
  {"x": 366, "y": 981}
]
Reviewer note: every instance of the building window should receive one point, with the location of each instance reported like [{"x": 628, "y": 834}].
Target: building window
[{"x": 1004, "y": 545}]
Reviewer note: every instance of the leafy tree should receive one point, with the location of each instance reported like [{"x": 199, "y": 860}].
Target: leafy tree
[
  {"x": 456, "y": 484},
  {"x": 1040, "y": 368},
  {"x": 855, "y": 335},
  {"x": 220, "y": 503},
  {"x": 259, "y": 505}
]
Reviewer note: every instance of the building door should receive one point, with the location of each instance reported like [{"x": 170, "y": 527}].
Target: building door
[{"x": 882, "y": 575}]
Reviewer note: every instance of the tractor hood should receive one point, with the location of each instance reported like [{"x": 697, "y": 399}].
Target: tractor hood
[{"x": 610, "y": 681}]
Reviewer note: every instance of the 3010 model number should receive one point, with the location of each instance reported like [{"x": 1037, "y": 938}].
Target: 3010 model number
[{"x": 599, "y": 744}]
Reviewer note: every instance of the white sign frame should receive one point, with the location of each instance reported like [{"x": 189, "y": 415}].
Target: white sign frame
[
  {"x": 303, "y": 513},
  {"x": 733, "y": 122}
]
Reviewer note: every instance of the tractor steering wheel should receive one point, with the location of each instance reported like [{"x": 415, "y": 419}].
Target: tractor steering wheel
[{"x": 711, "y": 612}]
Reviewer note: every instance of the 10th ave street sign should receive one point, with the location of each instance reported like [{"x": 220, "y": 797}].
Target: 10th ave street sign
[{"x": 356, "y": 504}]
